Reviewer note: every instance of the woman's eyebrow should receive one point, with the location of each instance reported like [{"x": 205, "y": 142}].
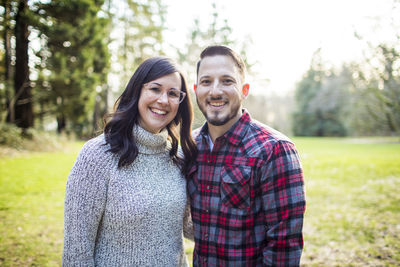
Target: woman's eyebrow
[
  {"x": 156, "y": 83},
  {"x": 159, "y": 84}
]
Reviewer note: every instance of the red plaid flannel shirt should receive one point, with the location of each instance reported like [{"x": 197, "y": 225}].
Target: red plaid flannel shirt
[{"x": 247, "y": 198}]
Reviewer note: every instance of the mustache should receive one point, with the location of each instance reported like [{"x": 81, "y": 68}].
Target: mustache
[{"x": 214, "y": 98}]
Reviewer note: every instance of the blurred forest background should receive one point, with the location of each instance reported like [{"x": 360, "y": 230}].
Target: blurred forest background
[
  {"x": 60, "y": 62},
  {"x": 63, "y": 63}
]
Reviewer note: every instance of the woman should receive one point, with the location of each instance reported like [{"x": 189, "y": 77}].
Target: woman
[{"x": 126, "y": 194}]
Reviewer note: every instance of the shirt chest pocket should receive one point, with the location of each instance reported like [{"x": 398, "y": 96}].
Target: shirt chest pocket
[{"x": 235, "y": 186}]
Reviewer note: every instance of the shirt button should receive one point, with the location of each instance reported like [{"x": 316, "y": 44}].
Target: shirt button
[
  {"x": 206, "y": 235},
  {"x": 208, "y": 187},
  {"x": 207, "y": 211}
]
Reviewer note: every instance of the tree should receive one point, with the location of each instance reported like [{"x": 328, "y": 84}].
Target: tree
[
  {"x": 271, "y": 109},
  {"x": 217, "y": 32},
  {"x": 6, "y": 34},
  {"x": 141, "y": 28},
  {"x": 22, "y": 88},
  {"x": 379, "y": 87},
  {"x": 72, "y": 65},
  {"x": 321, "y": 101},
  {"x": 376, "y": 98},
  {"x": 102, "y": 91},
  {"x": 71, "y": 59},
  {"x": 15, "y": 33}
]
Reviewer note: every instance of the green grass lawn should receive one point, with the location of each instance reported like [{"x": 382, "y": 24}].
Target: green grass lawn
[
  {"x": 353, "y": 201},
  {"x": 352, "y": 217}
]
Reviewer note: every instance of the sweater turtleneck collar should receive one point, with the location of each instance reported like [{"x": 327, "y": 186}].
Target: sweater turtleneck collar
[{"x": 149, "y": 143}]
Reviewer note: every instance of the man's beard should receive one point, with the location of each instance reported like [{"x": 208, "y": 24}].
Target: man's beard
[{"x": 214, "y": 120}]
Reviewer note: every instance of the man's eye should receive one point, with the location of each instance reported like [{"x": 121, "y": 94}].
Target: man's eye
[
  {"x": 205, "y": 82},
  {"x": 228, "y": 81}
]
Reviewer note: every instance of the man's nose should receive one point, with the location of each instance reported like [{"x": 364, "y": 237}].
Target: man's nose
[{"x": 216, "y": 88}]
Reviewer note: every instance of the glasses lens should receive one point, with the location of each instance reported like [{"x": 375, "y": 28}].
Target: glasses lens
[
  {"x": 176, "y": 96},
  {"x": 153, "y": 91}
]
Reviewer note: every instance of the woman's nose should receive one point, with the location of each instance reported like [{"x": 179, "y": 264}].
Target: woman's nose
[{"x": 163, "y": 98}]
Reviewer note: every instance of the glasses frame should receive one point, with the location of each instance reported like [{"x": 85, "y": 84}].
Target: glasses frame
[{"x": 147, "y": 87}]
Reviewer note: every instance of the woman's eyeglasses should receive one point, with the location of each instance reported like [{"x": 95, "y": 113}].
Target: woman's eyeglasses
[{"x": 174, "y": 95}]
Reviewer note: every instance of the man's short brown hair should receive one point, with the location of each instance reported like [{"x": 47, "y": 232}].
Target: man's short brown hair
[{"x": 220, "y": 50}]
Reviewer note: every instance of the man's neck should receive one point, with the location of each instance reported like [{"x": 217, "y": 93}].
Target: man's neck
[{"x": 217, "y": 131}]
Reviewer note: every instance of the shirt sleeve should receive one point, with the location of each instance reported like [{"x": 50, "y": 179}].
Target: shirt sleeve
[
  {"x": 283, "y": 202},
  {"x": 85, "y": 198}
]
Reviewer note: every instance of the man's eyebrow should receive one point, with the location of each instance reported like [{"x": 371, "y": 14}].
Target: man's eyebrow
[
  {"x": 227, "y": 76},
  {"x": 224, "y": 75}
]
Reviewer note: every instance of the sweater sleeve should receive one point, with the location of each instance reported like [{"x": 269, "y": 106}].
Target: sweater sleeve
[
  {"x": 188, "y": 231},
  {"x": 85, "y": 199}
]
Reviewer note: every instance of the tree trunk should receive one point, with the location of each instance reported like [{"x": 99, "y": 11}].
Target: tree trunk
[
  {"x": 61, "y": 123},
  {"x": 23, "y": 91},
  {"x": 96, "y": 114},
  {"x": 7, "y": 60},
  {"x": 100, "y": 109}
]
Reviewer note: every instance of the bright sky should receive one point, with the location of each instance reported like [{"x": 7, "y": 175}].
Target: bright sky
[{"x": 286, "y": 33}]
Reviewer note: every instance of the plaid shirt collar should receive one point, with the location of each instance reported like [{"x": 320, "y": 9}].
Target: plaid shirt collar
[{"x": 235, "y": 134}]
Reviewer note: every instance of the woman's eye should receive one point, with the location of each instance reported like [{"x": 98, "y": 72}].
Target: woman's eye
[
  {"x": 173, "y": 93},
  {"x": 155, "y": 89}
]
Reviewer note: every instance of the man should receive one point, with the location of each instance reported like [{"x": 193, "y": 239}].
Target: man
[{"x": 246, "y": 189}]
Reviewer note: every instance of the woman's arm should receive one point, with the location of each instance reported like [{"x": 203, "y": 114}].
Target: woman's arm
[
  {"x": 85, "y": 199},
  {"x": 187, "y": 222}
]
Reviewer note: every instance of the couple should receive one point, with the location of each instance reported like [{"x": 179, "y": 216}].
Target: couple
[{"x": 130, "y": 193}]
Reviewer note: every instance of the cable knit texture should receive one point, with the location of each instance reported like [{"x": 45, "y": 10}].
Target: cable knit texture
[{"x": 132, "y": 216}]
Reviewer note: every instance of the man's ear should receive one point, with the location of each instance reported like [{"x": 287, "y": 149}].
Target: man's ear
[
  {"x": 195, "y": 88},
  {"x": 245, "y": 90}
]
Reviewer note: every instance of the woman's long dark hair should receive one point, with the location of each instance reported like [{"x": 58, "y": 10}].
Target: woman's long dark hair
[{"x": 118, "y": 130}]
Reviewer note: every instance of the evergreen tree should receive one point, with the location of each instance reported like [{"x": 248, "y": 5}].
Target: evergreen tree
[
  {"x": 23, "y": 104},
  {"x": 74, "y": 60},
  {"x": 5, "y": 67},
  {"x": 321, "y": 101},
  {"x": 17, "y": 94}
]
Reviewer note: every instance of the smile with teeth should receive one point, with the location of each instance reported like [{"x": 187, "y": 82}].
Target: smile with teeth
[
  {"x": 158, "y": 111},
  {"x": 217, "y": 104}
]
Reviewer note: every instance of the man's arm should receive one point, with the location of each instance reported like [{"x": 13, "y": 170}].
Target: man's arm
[{"x": 284, "y": 206}]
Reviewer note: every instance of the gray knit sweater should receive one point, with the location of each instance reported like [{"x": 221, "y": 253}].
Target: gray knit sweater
[{"x": 132, "y": 216}]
